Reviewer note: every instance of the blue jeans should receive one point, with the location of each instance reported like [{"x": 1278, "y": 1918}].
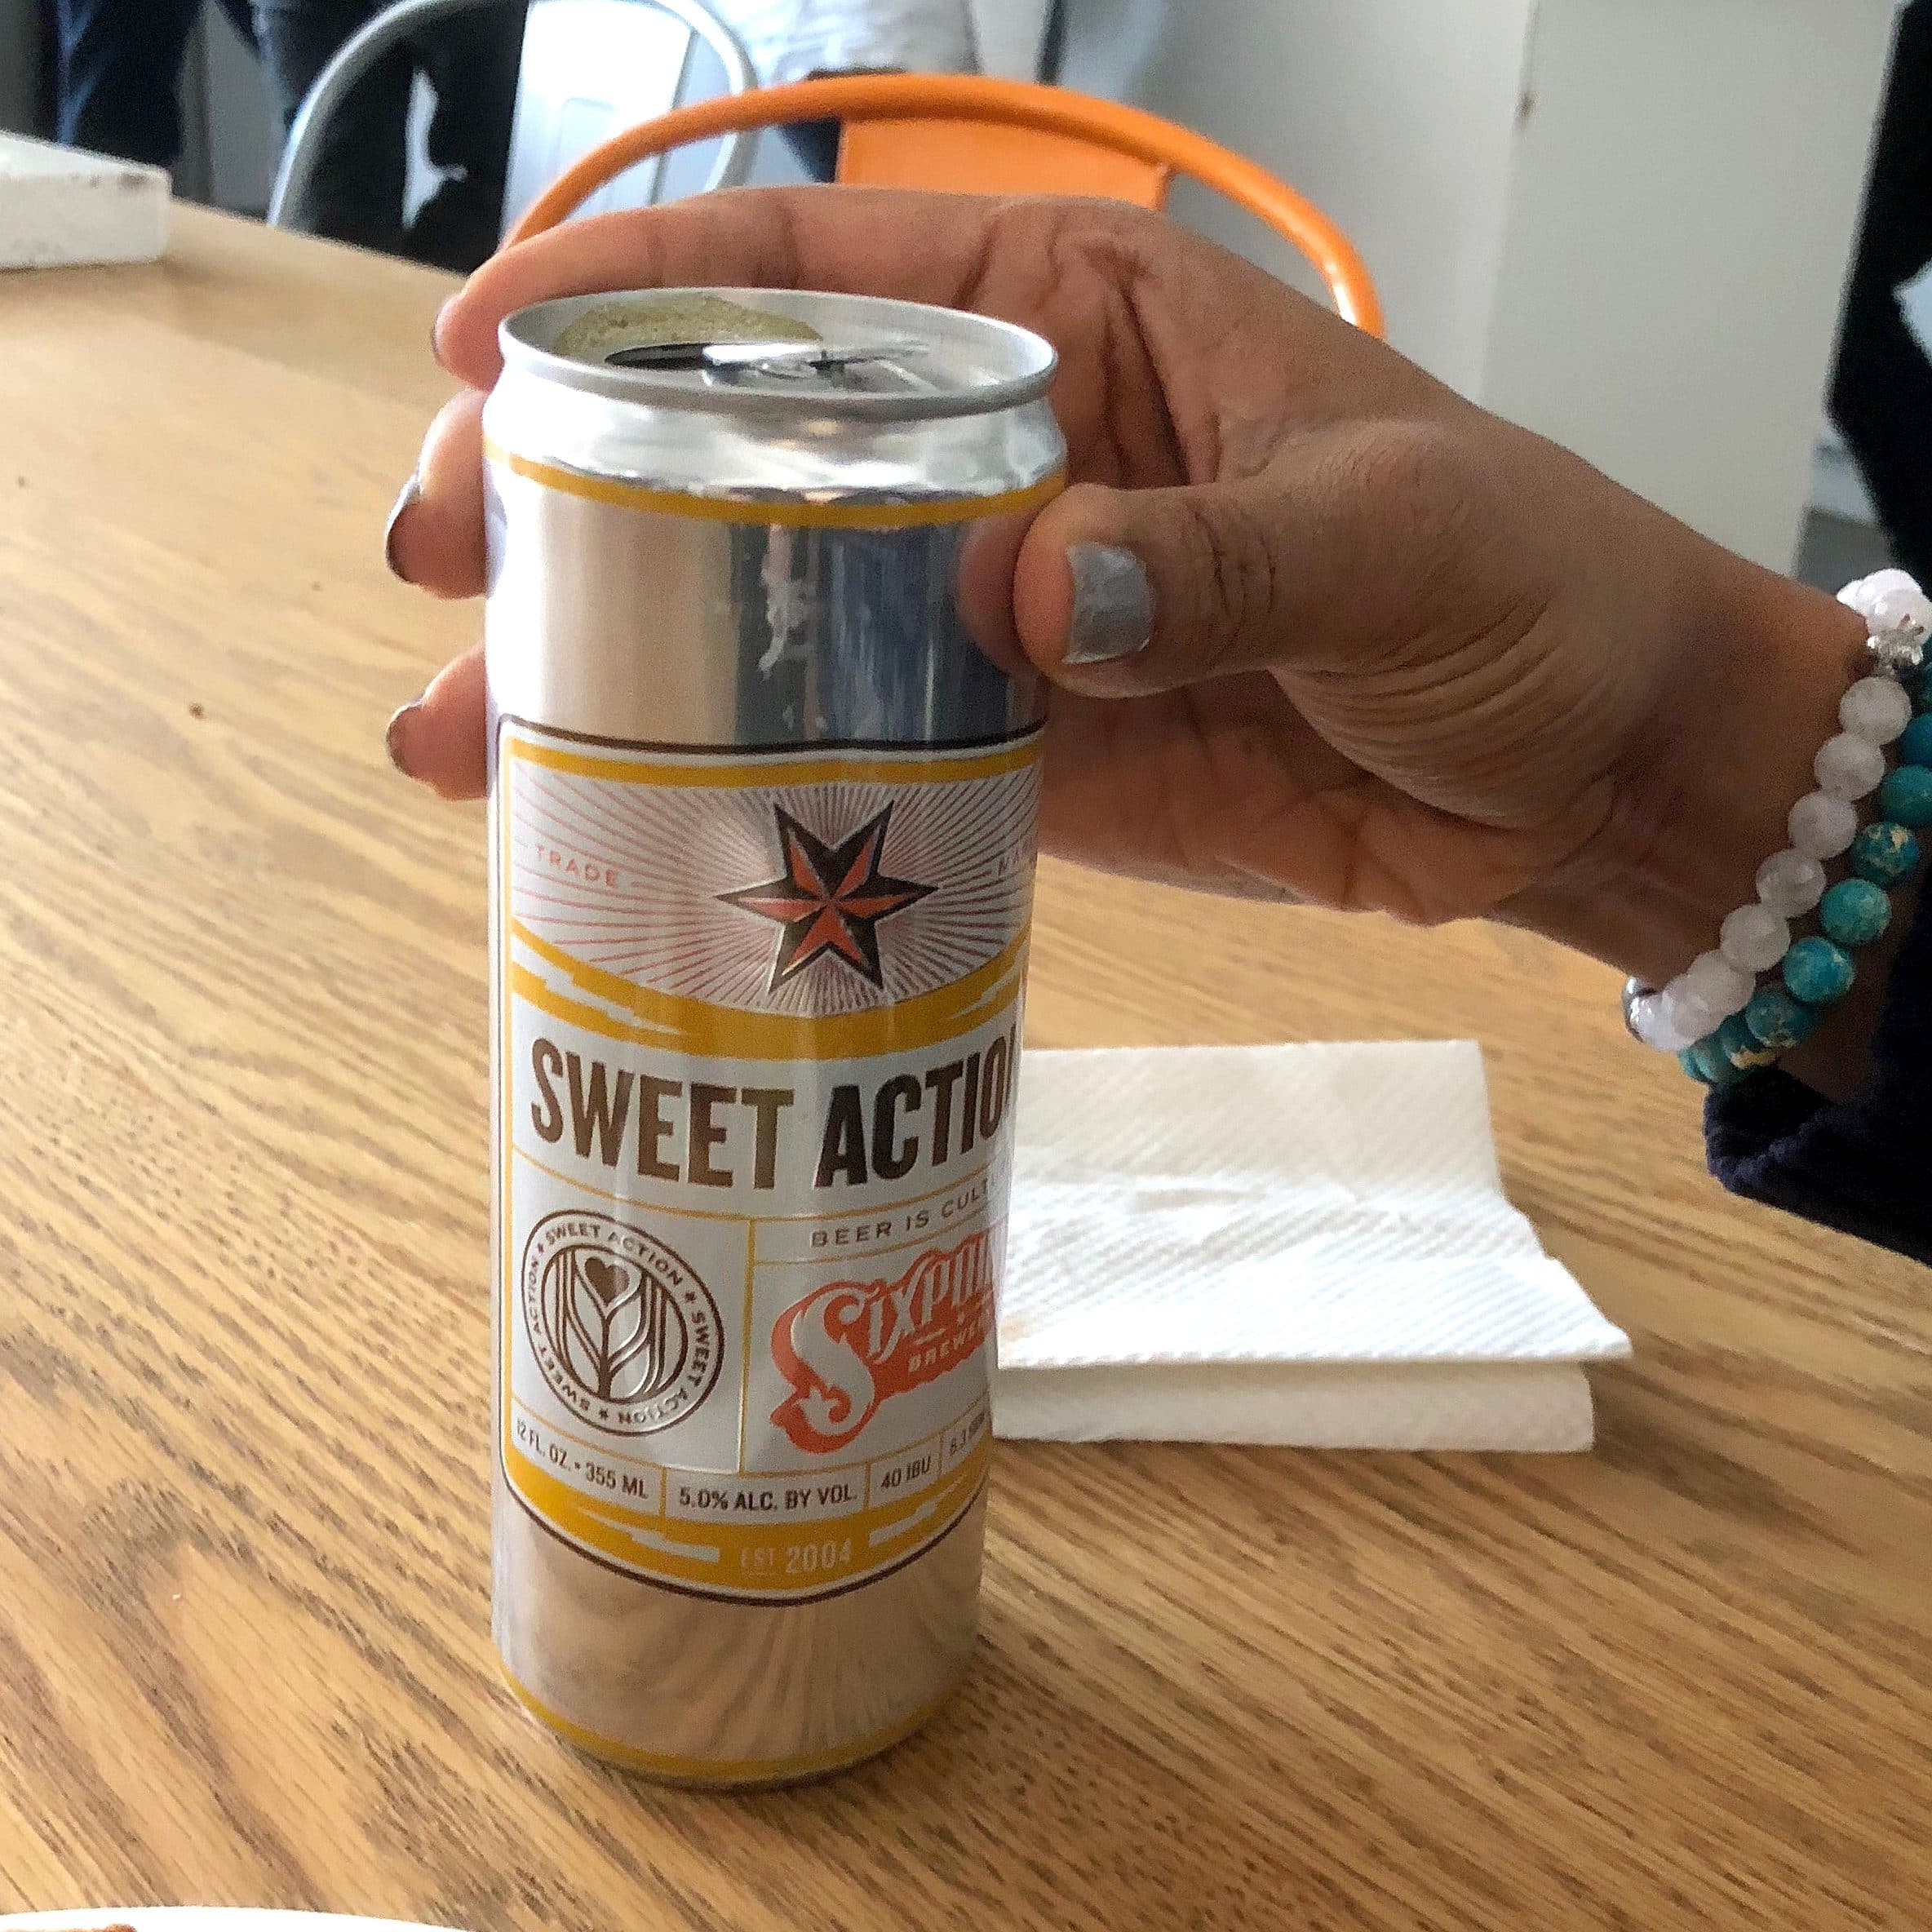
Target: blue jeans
[{"x": 118, "y": 63}]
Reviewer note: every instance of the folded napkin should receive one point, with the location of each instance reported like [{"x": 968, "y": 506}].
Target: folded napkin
[{"x": 1295, "y": 1244}]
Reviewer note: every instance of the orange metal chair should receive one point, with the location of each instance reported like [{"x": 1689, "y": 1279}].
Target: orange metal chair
[{"x": 1000, "y": 137}]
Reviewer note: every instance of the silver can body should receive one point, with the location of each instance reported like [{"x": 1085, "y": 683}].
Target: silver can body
[{"x": 763, "y": 834}]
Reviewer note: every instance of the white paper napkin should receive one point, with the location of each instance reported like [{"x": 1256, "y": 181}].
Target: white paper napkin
[{"x": 1294, "y": 1244}]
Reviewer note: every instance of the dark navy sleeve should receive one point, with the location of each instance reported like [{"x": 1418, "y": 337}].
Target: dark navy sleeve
[{"x": 1863, "y": 1165}]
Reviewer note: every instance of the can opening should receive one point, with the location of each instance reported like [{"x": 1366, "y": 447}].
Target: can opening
[
  {"x": 814, "y": 355},
  {"x": 876, "y": 367},
  {"x": 674, "y": 322}
]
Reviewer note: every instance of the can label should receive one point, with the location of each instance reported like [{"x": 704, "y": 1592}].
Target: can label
[{"x": 758, "y": 1024}]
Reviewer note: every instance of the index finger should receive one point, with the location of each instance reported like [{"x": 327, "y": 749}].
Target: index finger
[{"x": 875, "y": 242}]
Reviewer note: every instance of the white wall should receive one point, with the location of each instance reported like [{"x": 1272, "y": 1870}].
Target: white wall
[
  {"x": 1687, "y": 182},
  {"x": 1624, "y": 222},
  {"x": 231, "y": 137},
  {"x": 1396, "y": 116},
  {"x": 245, "y": 139},
  {"x": 1008, "y": 36}
]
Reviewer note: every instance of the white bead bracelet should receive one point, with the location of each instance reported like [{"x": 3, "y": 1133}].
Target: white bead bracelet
[{"x": 1823, "y": 823}]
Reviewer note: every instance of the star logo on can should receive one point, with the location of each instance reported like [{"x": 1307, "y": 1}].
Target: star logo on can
[{"x": 830, "y": 899}]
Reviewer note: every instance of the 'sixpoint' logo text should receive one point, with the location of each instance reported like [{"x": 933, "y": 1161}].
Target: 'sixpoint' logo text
[{"x": 850, "y": 1345}]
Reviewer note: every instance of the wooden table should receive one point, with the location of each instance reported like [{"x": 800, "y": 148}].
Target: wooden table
[{"x": 244, "y": 1651}]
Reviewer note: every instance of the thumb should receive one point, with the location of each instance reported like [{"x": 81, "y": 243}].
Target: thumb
[{"x": 1347, "y": 546}]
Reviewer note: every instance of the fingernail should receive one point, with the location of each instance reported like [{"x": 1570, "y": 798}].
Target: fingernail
[
  {"x": 435, "y": 328},
  {"x": 1113, "y": 604},
  {"x": 411, "y": 492},
  {"x": 397, "y": 736}
]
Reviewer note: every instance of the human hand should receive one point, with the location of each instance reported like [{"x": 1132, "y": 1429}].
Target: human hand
[{"x": 1320, "y": 629}]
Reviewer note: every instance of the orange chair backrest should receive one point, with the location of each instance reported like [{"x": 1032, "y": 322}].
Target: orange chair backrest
[
  {"x": 959, "y": 131},
  {"x": 929, "y": 152}
]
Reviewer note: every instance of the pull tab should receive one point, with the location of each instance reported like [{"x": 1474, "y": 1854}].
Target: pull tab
[{"x": 775, "y": 358}]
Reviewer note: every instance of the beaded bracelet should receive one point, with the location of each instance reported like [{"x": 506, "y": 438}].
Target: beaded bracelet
[{"x": 1714, "y": 1015}]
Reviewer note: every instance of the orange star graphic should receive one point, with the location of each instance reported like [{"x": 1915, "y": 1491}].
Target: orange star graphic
[{"x": 830, "y": 898}]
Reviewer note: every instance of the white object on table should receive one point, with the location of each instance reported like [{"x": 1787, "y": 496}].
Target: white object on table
[
  {"x": 60, "y": 208},
  {"x": 1303, "y": 1245},
  {"x": 199, "y": 1918}
]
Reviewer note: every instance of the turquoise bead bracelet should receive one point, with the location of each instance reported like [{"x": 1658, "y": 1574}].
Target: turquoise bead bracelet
[
  {"x": 1906, "y": 795},
  {"x": 1854, "y": 912},
  {"x": 1818, "y": 970},
  {"x": 1721, "y": 1021}
]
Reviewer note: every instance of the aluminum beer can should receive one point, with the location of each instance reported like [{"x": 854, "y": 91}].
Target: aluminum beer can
[{"x": 763, "y": 819}]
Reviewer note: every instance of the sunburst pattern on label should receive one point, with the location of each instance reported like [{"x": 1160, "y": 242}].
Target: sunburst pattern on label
[{"x": 881, "y": 893}]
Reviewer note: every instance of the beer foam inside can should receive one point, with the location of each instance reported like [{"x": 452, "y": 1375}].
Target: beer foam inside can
[{"x": 684, "y": 316}]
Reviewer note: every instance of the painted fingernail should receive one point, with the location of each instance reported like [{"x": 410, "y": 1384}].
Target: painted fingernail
[
  {"x": 410, "y": 493},
  {"x": 395, "y": 737},
  {"x": 1113, "y": 604}
]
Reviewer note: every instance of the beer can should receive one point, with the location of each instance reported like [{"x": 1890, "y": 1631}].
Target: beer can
[{"x": 763, "y": 820}]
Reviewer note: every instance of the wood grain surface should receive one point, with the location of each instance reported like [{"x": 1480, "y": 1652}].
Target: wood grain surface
[{"x": 244, "y": 1652}]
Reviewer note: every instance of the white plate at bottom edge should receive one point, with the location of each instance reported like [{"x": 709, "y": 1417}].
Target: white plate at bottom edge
[{"x": 199, "y": 1918}]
